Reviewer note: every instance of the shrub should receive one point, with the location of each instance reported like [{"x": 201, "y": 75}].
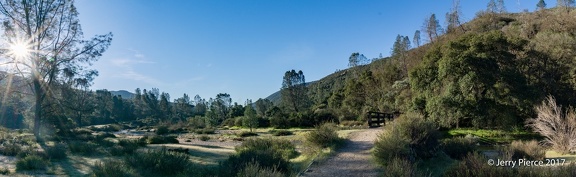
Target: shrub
[
  {"x": 266, "y": 158},
  {"x": 390, "y": 145},
  {"x": 399, "y": 167},
  {"x": 247, "y": 134},
  {"x": 323, "y": 136},
  {"x": 204, "y": 138},
  {"x": 161, "y": 130},
  {"x": 57, "y": 152},
  {"x": 112, "y": 169},
  {"x": 557, "y": 126},
  {"x": 205, "y": 131},
  {"x": 124, "y": 147},
  {"x": 527, "y": 150},
  {"x": 162, "y": 140},
  {"x": 422, "y": 134},
  {"x": 281, "y": 147},
  {"x": 475, "y": 164},
  {"x": 253, "y": 169},
  {"x": 281, "y": 132},
  {"x": 458, "y": 148},
  {"x": 83, "y": 148},
  {"x": 31, "y": 162},
  {"x": 411, "y": 137},
  {"x": 10, "y": 149},
  {"x": 4, "y": 171},
  {"x": 160, "y": 163}
]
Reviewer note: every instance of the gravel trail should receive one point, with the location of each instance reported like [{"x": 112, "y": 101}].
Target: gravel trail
[{"x": 354, "y": 159}]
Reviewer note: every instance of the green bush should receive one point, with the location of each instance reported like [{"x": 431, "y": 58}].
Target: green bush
[
  {"x": 160, "y": 163},
  {"x": 112, "y": 169},
  {"x": 247, "y": 134},
  {"x": 204, "y": 138},
  {"x": 162, "y": 140},
  {"x": 410, "y": 137},
  {"x": 56, "y": 152},
  {"x": 390, "y": 145},
  {"x": 124, "y": 147},
  {"x": 271, "y": 154},
  {"x": 162, "y": 130},
  {"x": 281, "y": 147},
  {"x": 399, "y": 167},
  {"x": 83, "y": 148},
  {"x": 475, "y": 165},
  {"x": 253, "y": 169},
  {"x": 205, "y": 131},
  {"x": 10, "y": 149},
  {"x": 31, "y": 162},
  {"x": 4, "y": 171},
  {"x": 527, "y": 150},
  {"x": 458, "y": 148},
  {"x": 281, "y": 132},
  {"x": 422, "y": 134},
  {"x": 323, "y": 136}
]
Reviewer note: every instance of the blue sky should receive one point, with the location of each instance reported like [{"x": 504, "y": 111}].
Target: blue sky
[{"x": 244, "y": 47}]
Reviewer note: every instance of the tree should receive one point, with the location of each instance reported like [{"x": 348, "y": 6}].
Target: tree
[
  {"x": 183, "y": 107},
  {"x": 263, "y": 105},
  {"x": 416, "y": 38},
  {"x": 49, "y": 38},
  {"x": 399, "y": 50},
  {"x": 453, "y": 17},
  {"x": 474, "y": 78},
  {"x": 492, "y": 7},
  {"x": 432, "y": 28},
  {"x": 250, "y": 120},
  {"x": 541, "y": 5},
  {"x": 501, "y": 8},
  {"x": 165, "y": 109},
  {"x": 566, "y": 4},
  {"x": 357, "y": 59},
  {"x": 294, "y": 91}
]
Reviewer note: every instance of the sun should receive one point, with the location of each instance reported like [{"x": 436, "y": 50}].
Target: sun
[{"x": 19, "y": 50}]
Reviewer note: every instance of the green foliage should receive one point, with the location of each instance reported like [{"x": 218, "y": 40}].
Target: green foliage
[
  {"x": 324, "y": 136},
  {"x": 474, "y": 77},
  {"x": 294, "y": 91},
  {"x": 124, "y": 146},
  {"x": 459, "y": 147},
  {"x": 31, "y": 162},
  {"x": 281, "y": 147},
  {"x": 400, "y": 167},
  {"x": 56, "y": 152},
  {"x": 205, "y": 131},
  {"x": 162, "y": 130},
  {"x": 10, "y": 149},
  {"x": 82, "y": 147},
  {"x": 410, "y": 137},
  {"x": 250, "y": 120},
  {"x": 112, "y": 169},
  {"x": 161, "y": 140},
  {"x": 270, "y": 154},
  {"x": 475, "y": 165},
  {"x": 254, "y": 169},
  {"x": 4, "y": 171},
  {"x": 160, "y": 163}
]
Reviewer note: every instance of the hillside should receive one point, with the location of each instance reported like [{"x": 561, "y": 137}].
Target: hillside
[
  {"x": 123, "y": 93},
  {"x": 538, "y": 49}
]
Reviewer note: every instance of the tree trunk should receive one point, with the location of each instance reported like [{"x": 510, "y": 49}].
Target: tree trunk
[{"x": 38, "y": 106}]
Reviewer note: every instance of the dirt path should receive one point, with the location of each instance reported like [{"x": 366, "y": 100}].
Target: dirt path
[{"x": 354, "y": 159}]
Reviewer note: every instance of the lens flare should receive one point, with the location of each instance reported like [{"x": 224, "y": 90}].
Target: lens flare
[{"x": 20, "y": 50}]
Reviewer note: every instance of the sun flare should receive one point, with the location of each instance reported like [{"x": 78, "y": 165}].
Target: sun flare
[{"x": 19, "y": 49}]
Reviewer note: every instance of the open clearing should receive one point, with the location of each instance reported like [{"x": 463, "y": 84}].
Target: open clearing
[{"x": 354, "y": 159}]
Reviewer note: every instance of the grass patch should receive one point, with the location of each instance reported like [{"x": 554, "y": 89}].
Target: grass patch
[
  {"x": 281, "y": 132},
  {"x": 160, "y": 163},
  {"x": 495, "y": 136},
  {"x": 247, "y": 134},
  {"x": 31, "y": 162}
]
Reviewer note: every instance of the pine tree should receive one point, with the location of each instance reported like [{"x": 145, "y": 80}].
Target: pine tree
[
  {"x": 541, "y": 5},
  {"x": 416, "y": 38}
]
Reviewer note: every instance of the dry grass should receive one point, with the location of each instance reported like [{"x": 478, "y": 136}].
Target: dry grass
[{"x": 556, "y": 125}]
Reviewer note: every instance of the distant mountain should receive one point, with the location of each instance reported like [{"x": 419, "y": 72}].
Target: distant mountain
[{"x": 123, "y": 93}]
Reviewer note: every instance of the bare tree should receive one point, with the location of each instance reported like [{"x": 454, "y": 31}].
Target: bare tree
[
  {"x": 557, "y": 125},
  {"x": 45, "y": 38}
]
